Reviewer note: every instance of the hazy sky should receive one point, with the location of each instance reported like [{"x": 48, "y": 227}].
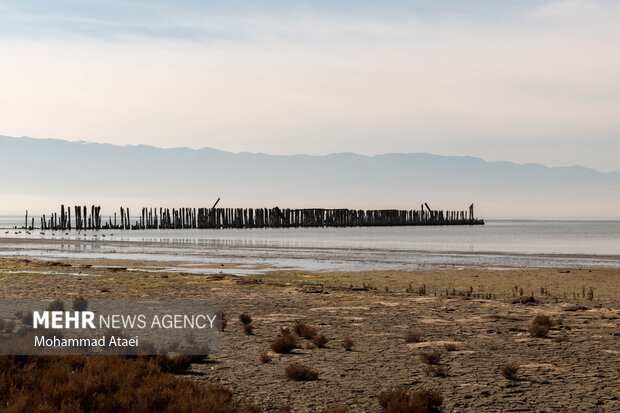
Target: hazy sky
[{"x": 519, "y": 80}]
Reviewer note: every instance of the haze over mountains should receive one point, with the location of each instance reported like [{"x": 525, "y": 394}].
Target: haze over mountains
[{"x": 40, "y": 174}]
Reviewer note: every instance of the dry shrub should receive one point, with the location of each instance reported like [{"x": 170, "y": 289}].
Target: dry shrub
[
  {"x": 347, "y": 344},
  {"x": 264, "y": 358},
  {"x": 304, "y": 330},
  {"x": 8, "y": 326},
  {"x": 337, "y": 409},
  {"x": 175, "y": 365},
  {"x": 391, "y": 395},
  {"x": 413, "y": 336},
  {"x": 103, "y": 384},
  {"x": 299, "y": 372},
  {"x": 26, "y": 317},
  {"x": 56, "y": 305},
  {"x": 248, "y": 329},
  {"x": 221, "y": 321},
  {"x": 450, "y": 347},
  {"x": 510, "y": 370},
  {"x": 540, "y": 326},
  {"x": 432, "y": 357},
  {"x": 320, "y": 341},
  {"x": 397, "y": 400},
  {"x": 284, "y": 344},
  {"x": 436, "y": 370},
  {"x": 245, "y": 318},
  {"x": 80, "y": 304}
]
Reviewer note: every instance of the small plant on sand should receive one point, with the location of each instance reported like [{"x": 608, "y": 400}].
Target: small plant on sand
[
  {"x": 264, "y": 358},
  {"x": 336, "y": 409},
  {"x": 510, "y": 370},
  {"x": 320, "y": 340},
  {"x": 540, "y": 326},
  {"x": 80, "y": 304},
  {"x": 397, "y": 400},
  {"x": 26, "y": 317},
  {"x": 299, "y": 372},
  {"x": 590, "y": 294},
  {"x": 304, "y": 330},
  {"x": 248, "y": 329},
  {"x": 431, "y": 357},
  {"x": 422, "y": 290},
  {"x": 56, "y": 305},
  {"x": 450, "y": 347},
  {"x": 347, "y": 344},
  {"x": 8, "y": 325},
  {"x": 284, "y": 344},
  {"x": 221, "y": 321},
  {"x": 245, "y": 318},
  {"x": 413, "y": 336},
  {"x": 176, "y": 365},
  {"x": 436, "y": 370}
]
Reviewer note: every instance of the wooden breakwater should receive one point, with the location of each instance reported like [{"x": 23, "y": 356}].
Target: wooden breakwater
[{"x": 90, "y": 218}]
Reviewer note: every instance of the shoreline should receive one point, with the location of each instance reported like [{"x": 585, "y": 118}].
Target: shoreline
[
  {"x": 474, "y": 317},
  {"x": 256, "y": 259}
]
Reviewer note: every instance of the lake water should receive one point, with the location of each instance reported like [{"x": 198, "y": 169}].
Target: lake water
[{"x": 501, "y": 243}]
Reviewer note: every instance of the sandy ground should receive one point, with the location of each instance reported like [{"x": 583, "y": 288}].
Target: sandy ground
[{"x": 472, "y": 316}]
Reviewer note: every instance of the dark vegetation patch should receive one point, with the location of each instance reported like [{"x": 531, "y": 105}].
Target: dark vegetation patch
[
  {"x": 285, "y": 343},
  {"x": 106, "y": 384},
  {"x": 299, "y": 372},
  {"x": 398, "y": 400},
  {"x": 305, "y": 330},
  {"x": 541, "y": 324},
  {"x": 347, "y": 344}
]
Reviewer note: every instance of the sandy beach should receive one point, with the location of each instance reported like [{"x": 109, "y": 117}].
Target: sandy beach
[{"x": 477, "y": 319}]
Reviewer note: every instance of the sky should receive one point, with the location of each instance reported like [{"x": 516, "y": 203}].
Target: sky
[{"x": 517, "y": 80}]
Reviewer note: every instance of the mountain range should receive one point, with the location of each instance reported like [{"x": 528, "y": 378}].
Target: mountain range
[{"x": 39, "y": 174}]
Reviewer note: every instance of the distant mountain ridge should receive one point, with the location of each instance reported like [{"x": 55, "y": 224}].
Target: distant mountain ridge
[{"x": 57, "y": 171}]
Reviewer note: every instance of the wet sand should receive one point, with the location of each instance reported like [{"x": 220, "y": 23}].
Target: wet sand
[{"x": 476, "y": 312}]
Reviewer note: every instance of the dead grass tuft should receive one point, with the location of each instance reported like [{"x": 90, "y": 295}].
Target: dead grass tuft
[
  {"x": 347, "y": 344},
  {"x": 304, "y": 330},
  {"x": 320, "y": 341},
  {"x": 432, "y": 357},
  {"x": 221, "y": 321},
  {"x": 299, "y": 372},
  {"x": 541, "y": 324},
  {"x": 248, "y": 329},
  {"x": 284, "y": 344},
  {"x": 436, "y": 370},
  {"x": 397, "y": 400},
  {"x": 104, "y": 384},
  {"x": 510, "y": 370},
  {"x": 245, "y": 318},
  {"x": 337, "y": 409},
  {"x": 413, "y": 336},
  {"x": 80, "y": 304},
  {"x": 264, "y": 358}
]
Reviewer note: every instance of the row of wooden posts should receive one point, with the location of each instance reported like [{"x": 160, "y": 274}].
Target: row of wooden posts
[{"x": 186, "y": 218}]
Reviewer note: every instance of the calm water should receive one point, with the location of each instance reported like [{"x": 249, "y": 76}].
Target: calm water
[{"x": 497, "y": 244}]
